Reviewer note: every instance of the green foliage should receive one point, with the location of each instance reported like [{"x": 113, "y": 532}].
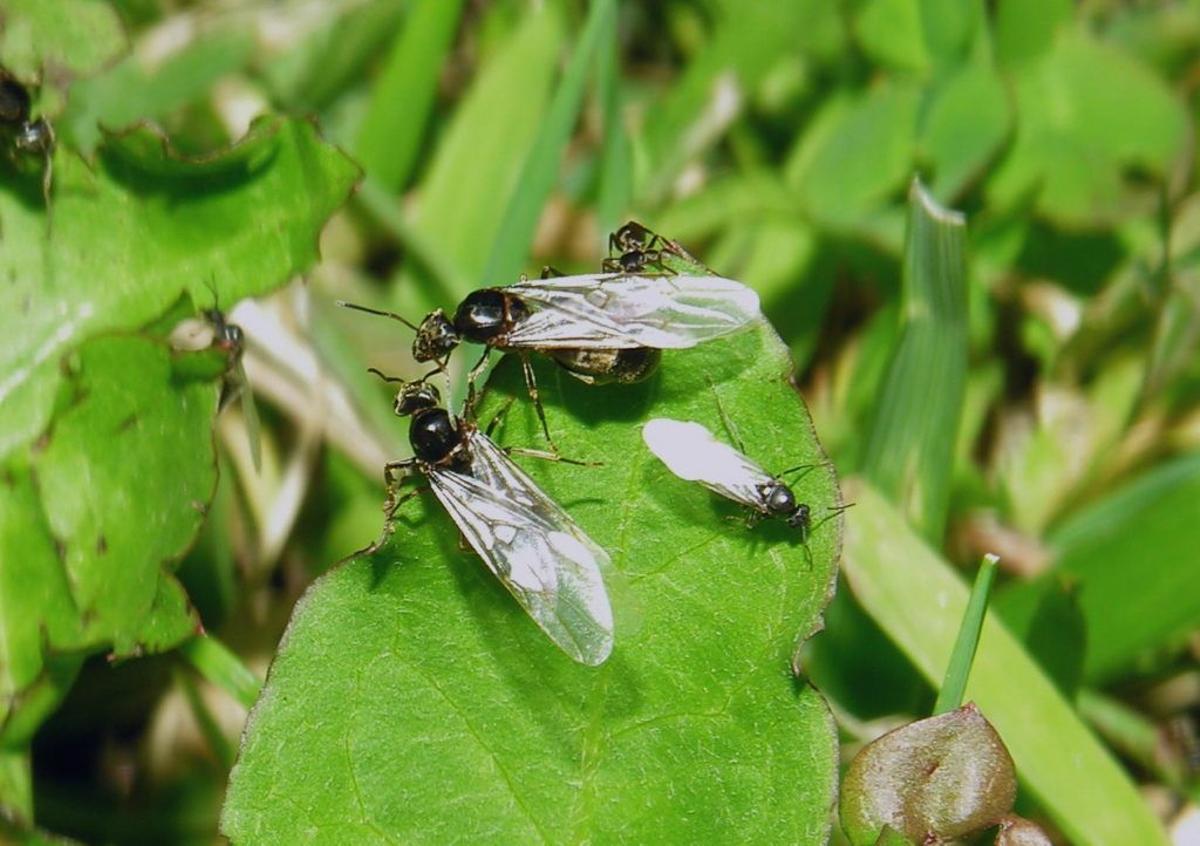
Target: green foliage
[
  {"x": 919, "y": 602},
  {"x": 1025, "y": 386},
  {"x": 708, "y": 614}
]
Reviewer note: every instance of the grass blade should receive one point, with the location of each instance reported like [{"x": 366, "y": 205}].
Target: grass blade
[
  {"x": 540, "y": 171},
  {"x": 959, "y": 669},
  {"x": 919, "y": 600},
  {"x": 213, "y": 660},
  {"x": 616, "y": 168},
  {"x": 910, "y": 447},
  {"x": 403, "y": 96}
]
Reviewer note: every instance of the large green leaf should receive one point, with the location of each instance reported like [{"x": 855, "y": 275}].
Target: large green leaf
[
  {"x": 129, "y": 234},
  {"x": 918, "y": 600},
  {"x": 413, "y": 700}
]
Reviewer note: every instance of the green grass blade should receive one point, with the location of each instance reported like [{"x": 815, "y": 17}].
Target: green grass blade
[
  {"x": 910, "y": 447},
  {"x": 540, "y": 171},
  {"x": 959, "y": 669},
  {"x": 402, "y": 99},
  {"x": 919, "y": 600},
  {"x": 213, "y": 660},
  {"x": 616, "y": 167}
]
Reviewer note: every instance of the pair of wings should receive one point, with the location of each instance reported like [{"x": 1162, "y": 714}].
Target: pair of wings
[
  {"x": 552, "y": 568},
  {"x": 624, "y": 311},
  {"x": 692, "y": 453}
]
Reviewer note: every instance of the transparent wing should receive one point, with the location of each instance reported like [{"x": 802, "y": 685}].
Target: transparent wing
[
  {"x": 534, "y": 548},
  {"x": 620, "y": 311},
  {"x": 249, "y": 413},
  {"x": 692, "y": 453}
]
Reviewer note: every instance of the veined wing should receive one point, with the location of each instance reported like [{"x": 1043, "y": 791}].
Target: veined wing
[
  {"x": 620, "y": 311},
  {"x": 536, "y": 550},
  {"x": 692, "y": 453}
]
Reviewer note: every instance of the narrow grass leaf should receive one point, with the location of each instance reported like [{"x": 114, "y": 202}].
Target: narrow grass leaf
[
  {"x": 919, "y": 601},
  {"x": 959, "y": 669},
  {"x": 910, "y": 442},
  {"x": 403, "y": 95},
  {"x": 213, "y": 660},
  {"x": 540, "y": 170}
]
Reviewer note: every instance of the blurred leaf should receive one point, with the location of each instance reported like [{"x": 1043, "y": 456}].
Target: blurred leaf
[
  {"x": 746, "y": 42},
  {"x": 616, "y": 157},
  {"x": 1085, "y": 111},
  {"x": 1130, "y": 589},
  {"x": 410, "y": 682},
  {"x": 855, "y": 152},
  {"x": 335, "y": 55},
  {"x": 130, "y": 234},
  {"x": 134, "y": 89},
  {"x": 539, "y": 172},
  {"x": 16, "y": 788},
  {"x": 919, "y": 601},
  {"x": 77, "y": 36},
  {"x": 1052, "y": 627},
  {"x": 477, "y": 157},
  {"x": 910, "y": 447},
  {"x": 947, "y": 776},
  {"x": 1025, "y": 29},
  {"x": 963, "y": 127},
  {"x": 890, "y": 33},
  {"x": 403, "y": 95}
]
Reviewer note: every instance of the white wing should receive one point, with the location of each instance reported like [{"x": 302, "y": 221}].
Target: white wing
[
  {"x": 536, "y": 550},
  {"x": 621, "y": 311},
  {"x": 692, "y": 453}
]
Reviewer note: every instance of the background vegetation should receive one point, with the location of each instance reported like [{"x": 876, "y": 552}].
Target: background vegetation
[{"x": 1027, "y": 385}]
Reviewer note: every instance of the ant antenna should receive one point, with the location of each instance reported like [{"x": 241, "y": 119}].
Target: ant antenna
[
  {"x": 377, "y": 313},
  {"x": 385, "y": 377}
]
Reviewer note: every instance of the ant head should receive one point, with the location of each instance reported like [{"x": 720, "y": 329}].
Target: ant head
[
  {"x": 631, "y": 236},
  {"x": 415, "y": 396},
  {"x": 14, "y": 101},
  {"x": 35, "y": 137},
  {"x": 799, "y": 518},
  {"x": 436, "y": 337}
]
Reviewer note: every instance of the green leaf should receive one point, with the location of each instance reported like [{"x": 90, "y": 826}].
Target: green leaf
[
  {"x": 910, "y": 446},
  {"x": 130, "y": 234},
  {"x": 77, "y": 36},
  {"x": 1025, "y": 29},
  {"x": 950, "y": 695},
  {"x": 1085, "y": 112},
  {"x": 131, "y": 91},
  {"x": 92, "y": 529},
  {"x": 890, "y": 34},
  {"x": 1129, "y": 592},
  {"x": 919, "y": 600},
  {"x": 403, "y": 95},
  {"x": 963, "y": 127},
  {"x": 855, "y": 152},
  {"x": 411, "y": 686}
]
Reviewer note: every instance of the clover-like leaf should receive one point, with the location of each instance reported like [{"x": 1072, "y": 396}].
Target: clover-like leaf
[{"x": 412, "y": 699}]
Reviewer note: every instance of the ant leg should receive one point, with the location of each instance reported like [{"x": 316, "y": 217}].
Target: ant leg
[
  {"x": 531, "y": 386},
  {"x": 394, "y": 474},
  {"x": 499, "y": 418},
  {"x": 472, "y": 378},
  {"x": 611, "y": 265},
  {"x": 550, "y": 272},
  {"x": 551, "y": 456},
  {"x": 807, "y": 468},
  {"x": 726, "y": 421}
]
